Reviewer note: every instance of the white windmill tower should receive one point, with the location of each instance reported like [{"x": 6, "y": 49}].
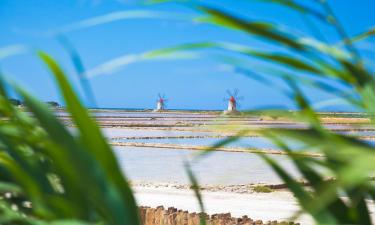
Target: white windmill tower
[
  {"x": 160, "y": 103},
  {"x": 232, "y": 102}
]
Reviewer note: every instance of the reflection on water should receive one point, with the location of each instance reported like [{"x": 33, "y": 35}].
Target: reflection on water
[{"x": 167, "y": 165}]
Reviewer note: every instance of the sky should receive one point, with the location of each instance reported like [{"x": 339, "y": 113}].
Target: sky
[{"x": 198, "y": 82}]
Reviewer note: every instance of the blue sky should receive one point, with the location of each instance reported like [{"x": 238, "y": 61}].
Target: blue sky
[{"x": 197, "y": 83}]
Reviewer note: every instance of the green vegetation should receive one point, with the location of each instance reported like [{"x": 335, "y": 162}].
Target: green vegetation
[
  {"x": 53, "y": 104},
  {"x": 305, "y": 61},
  {"x": 76, "y": 179},
  {"x": 15, "y": 102},
  {"x": 262, "y": 189},
  {"x": 68, "y": 179}
]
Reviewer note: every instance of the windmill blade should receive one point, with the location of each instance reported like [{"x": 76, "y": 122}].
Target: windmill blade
[
  {"x": 235, "y": 92},
  {"x": 159, "y": 96},
  {"x": 229, "y": 92},
  {"x": 240, "y": 98},
  {"x": 238, "y": 105},
  {"x": 225, "y": 99}
]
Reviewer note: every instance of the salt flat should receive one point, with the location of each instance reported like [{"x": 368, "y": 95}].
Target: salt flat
[
  {"x": 167, "y": 165},
  {"x": 152, "y": 166}
]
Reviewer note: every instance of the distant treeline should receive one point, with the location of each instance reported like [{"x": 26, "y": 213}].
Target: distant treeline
[{"x": 18, "y": 102}]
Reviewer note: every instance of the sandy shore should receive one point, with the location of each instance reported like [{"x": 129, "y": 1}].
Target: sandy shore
[
  {"x": 278, "y": 205},
  {"x": 230, "y": 188}
]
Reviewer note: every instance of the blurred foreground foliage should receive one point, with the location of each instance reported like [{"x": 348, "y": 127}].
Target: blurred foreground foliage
[
  {"x": 336, "y": 68},
  {"x": 50, "y": 176}
]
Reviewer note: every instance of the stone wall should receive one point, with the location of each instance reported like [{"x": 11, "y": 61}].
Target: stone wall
[{"x": 172, "y": 216}]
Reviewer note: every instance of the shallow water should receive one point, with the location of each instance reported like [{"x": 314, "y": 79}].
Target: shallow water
[
  {"x": 246, "y": 142},
  {"x": 360, "y": 133},
  {"x": 167, "y": 165},
  {"x": 122, "y": 113},
  {"x": 126, "y": 132}
]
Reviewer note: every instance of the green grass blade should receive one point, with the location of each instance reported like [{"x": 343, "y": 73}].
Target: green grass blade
[
  {"x": 364, "y": 35},
  {"x": 260, "y": 29},
  {"x": 300, "y": 8},
  {"x": 195, "y": 187},
  {"x": 124, "y": 209},
  {"x": 302, "y": 196},
  {"x": 80, "y": 70}
]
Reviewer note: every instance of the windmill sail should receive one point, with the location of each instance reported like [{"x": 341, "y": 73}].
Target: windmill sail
[
  {"x": 232, "y": 101},
  {"x": 160, "y": 102}
]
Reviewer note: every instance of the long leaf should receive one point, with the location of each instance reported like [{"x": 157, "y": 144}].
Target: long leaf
[{"x": 123, "y": 206}]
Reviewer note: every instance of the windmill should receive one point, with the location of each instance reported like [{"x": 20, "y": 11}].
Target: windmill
[
  {"x": 232, "y": 101},
  {"x": 160, "y": 102}
]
